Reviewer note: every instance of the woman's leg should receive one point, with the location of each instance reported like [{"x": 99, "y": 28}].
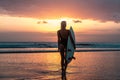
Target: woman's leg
[
  {"x": 62, "y": 56},
  {"x": 66, "y": 64}
]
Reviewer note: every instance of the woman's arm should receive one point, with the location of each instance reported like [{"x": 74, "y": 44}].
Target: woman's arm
[{"x": 58, "y": 36}]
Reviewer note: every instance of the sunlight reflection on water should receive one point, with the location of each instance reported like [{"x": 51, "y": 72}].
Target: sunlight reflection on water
[{"x": 87, "y": 66}]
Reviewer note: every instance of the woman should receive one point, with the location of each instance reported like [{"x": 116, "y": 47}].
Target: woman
[{"x": 63, "y": 34}]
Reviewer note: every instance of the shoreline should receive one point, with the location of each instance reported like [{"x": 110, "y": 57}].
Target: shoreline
[{"x": 51, "y": 51}]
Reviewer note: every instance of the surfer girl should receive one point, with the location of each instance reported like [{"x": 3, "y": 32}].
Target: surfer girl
[{"x": 63, "y": 34}]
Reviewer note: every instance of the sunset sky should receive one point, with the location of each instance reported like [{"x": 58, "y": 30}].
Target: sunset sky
[{"x": 39, "y": 20}]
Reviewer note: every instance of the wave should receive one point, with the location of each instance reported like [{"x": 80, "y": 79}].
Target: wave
[
  {"x": 42, "y": 50},
  {"x": 54, "y": 45},
  {"x": 37, "y": 47},
  {"x": 28, "y": 45},
  {"x": 98, "y": 45}
]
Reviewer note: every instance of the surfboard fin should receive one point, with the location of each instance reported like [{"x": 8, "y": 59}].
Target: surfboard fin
[{"x": 73, "y": 58}]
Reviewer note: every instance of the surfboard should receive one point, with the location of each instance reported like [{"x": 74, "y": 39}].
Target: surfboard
[{"x": 70, "y": 48}]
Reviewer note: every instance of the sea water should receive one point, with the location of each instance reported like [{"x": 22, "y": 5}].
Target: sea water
[
  {"x": 89, "y": 65},
  {"x": 20, "y": 47}
]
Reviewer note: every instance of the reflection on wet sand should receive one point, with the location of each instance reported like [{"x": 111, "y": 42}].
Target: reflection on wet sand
[
  {"x": 46, "y": 66},
  {"x": 63, "y": 75}
]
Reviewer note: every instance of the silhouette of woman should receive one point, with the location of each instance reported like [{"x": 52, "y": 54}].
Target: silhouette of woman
[{"x": 63, "y": 34}]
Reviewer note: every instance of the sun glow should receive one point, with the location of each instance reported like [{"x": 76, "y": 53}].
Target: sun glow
[
  {"x": 10, "y": 23},
  {"x": 83, "y": 28},
  {"x": 54, "y": 24},
  {"x": 21, "y": 24}
]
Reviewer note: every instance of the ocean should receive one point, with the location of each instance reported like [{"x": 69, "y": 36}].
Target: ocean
[
  {"x": 30, "y": 47},
  {"x": 41, "y": 61}
]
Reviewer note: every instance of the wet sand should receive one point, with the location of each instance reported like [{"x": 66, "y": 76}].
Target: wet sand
[{"x": 46, "y": 66}]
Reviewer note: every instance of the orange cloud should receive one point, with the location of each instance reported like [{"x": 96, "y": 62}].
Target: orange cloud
[{"x": 102, "y": 10}]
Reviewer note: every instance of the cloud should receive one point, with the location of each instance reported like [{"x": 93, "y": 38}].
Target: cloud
[
  {"x": 102, "y": 10},
  {"x": 42, "y": 22},
  {"x": 38, "y": 22},
  {"x": 3, "y": 11},
  {"x": 77, "y": 21},
  {"x": 51, "y": 37},
  {"x": 45, "y": 22},
  {"x": 28, "y": 37}
]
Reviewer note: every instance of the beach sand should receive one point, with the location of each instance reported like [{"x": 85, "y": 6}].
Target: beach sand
[{"x": 46, "y": 66}]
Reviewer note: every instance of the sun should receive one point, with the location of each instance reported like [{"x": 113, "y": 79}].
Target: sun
[
  {"x": 55, "y": 23},
  {"x": 52, "y": 25}
]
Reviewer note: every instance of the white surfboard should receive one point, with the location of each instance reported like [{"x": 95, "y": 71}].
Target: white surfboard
[{"x": 70, "y": 47}]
